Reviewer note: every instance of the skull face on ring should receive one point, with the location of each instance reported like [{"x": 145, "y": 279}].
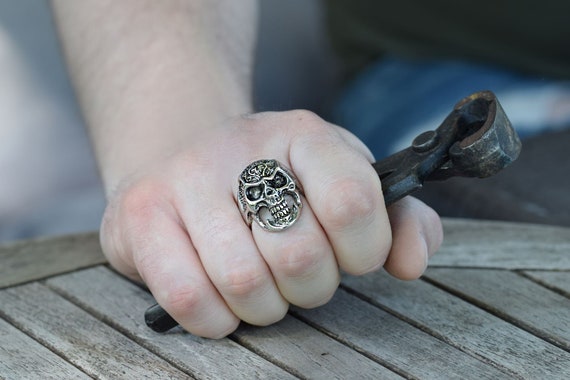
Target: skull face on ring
[{"x": 270, "y": 194}]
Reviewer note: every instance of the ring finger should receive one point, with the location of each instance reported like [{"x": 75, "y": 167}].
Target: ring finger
[{"x": 294, "y": 246}]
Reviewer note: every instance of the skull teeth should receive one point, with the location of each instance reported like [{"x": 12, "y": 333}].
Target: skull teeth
[{"x": 280, "y": 211}]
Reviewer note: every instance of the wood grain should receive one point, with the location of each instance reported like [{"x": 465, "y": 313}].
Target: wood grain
[
  {"x": 122, "y": 304},
  {"x": 502, "y": 245},
  {"x": 81, "y": 339},
  {"x": 513, "y": 297},
  {"x": 23, "y": 357},
  {"x": 308, "y": 353},
  {"x": 465, "y": 326},
  {"x": 559, "y": 281},
  {"x": 36, "y": 259},
  {"x": 391, "y": 341}
]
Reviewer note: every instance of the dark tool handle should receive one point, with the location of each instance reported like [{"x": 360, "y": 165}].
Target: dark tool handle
[{"x": 160, "y": 321}]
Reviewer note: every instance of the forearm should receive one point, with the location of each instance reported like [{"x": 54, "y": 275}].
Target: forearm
[{"x": 151, "y": 75}]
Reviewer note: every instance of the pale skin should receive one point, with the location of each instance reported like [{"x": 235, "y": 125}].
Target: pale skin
[{"x": 165, "y": 89}]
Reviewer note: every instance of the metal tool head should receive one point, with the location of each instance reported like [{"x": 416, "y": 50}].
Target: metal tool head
[
  {"x": 487, "y": 142},
  {"x": 475, "y": 140}
]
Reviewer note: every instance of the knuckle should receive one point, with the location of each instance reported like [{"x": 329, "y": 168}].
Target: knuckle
[
  {"x": 300, "y": 258},
  {"x": 141, "y": 201},
  {"x": 348, "y": 203},
  {"x": 192, "y": 305},
  {"x": 241, "y": 282},
  {"x": 183, "y": 299},
  {"x": 309, "y": 127},
  {"x": 304, "y": 116},
  {"x": 138, "y": 209}
]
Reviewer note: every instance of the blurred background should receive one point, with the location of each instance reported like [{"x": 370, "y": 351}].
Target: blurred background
[{"x": 48, "y": 177}]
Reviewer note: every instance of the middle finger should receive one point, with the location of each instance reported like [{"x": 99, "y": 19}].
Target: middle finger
[{"x": 301, "y": 259}]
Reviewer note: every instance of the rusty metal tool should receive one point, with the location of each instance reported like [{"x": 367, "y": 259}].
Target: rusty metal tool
[{"x": 475, "y": 140}]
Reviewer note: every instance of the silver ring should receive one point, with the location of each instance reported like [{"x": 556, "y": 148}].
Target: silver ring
[{"x": 269, "y": 194}]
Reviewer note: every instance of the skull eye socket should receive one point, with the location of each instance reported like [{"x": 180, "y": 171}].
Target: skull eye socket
[
  {"x": 279, "y": 180},
  {"x": 253, "y": 193}
]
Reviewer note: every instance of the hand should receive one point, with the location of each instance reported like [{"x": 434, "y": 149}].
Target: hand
[{"x": 177, "y": 225}]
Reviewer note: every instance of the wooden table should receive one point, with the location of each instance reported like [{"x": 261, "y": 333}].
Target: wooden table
[{"x": 495, "y": 303}]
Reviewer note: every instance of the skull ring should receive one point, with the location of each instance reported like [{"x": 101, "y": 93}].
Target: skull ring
[{"x": 270, "y": 194}]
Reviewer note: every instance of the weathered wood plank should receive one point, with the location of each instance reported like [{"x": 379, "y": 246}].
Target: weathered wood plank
[
  {"x": 35, "y": 259},
  {"x": 465, "y": 326},
  {"x": 489, "y": 244},
  {"x": 527, "y": 304},
  {"x": 555, "y": 280},
  {"x": 21, "y": 357},
  {"x": 89, "y": 344},
  {"x": 393, "y": 342},
  {"x": 291, "y": 343},
  {"x": 122, "y": 304},
  {"x": 309, "y": 353}
]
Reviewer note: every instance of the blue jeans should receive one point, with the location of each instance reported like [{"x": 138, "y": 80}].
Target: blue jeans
[{"x": 394, "y": 100}]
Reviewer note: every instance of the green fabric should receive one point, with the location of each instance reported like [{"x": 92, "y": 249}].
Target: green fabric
[{"x": 533, "y": 36}]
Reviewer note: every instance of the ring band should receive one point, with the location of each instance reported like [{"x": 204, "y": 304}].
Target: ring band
[{"x": 269, "y": 194}]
